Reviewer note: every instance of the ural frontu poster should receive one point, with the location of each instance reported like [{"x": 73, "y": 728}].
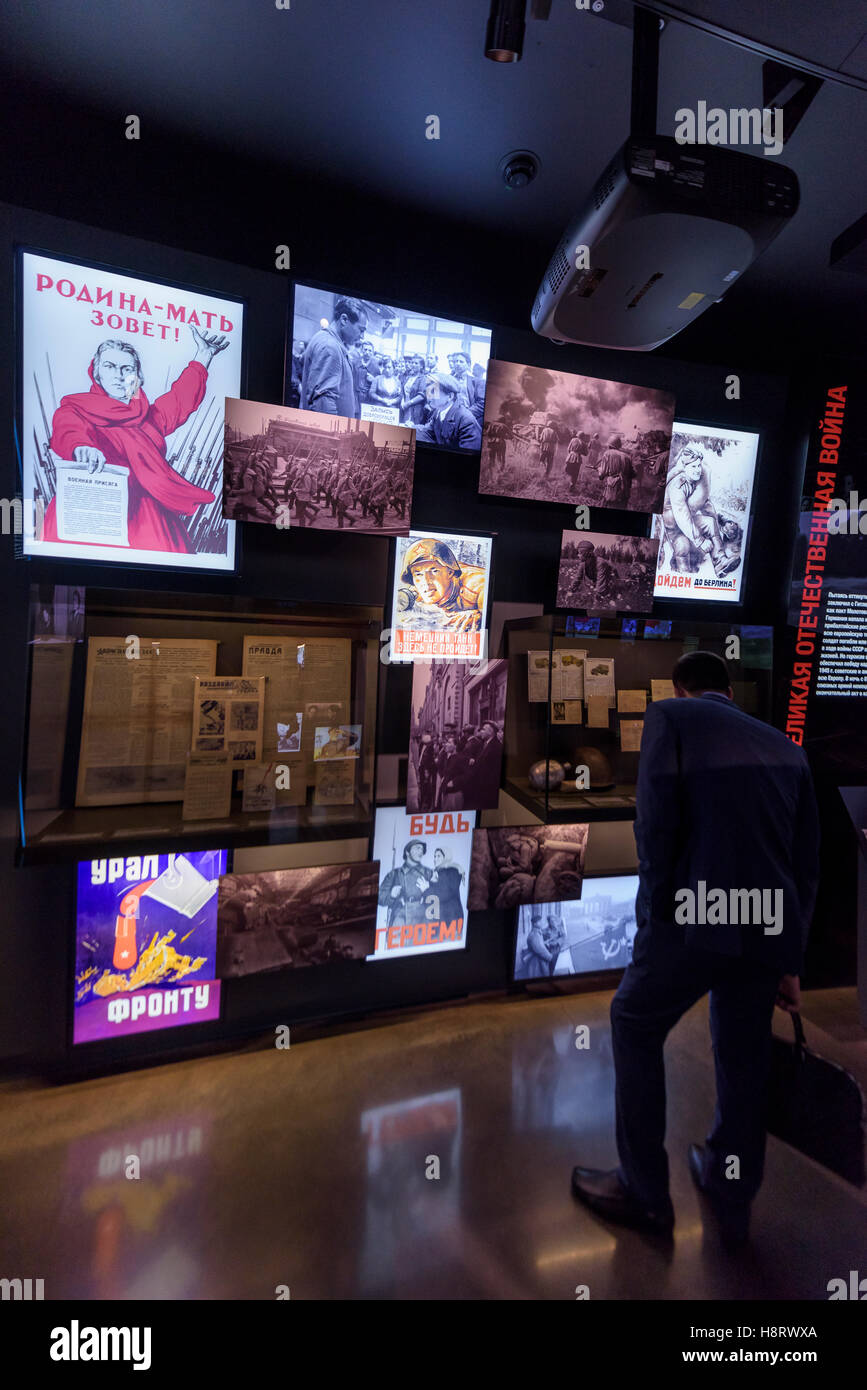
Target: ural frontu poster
[
  {"x": 123, "y": 385},
  {"x": 146, "y": 943},
  {"x": 424, "y": 872}
]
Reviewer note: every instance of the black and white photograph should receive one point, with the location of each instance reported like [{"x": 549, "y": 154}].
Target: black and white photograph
[
  {"x": 557, "y": 437},
  {"x": 371, "y": 361},
  {"x": 287, "y": 468},
  {"x": 286, "y": 918},
  {"x": 456, "y": 736},
  {"x": 595, "y": 932},
  {"x": 601, "y": 571},
  {"x": 289, "y": 735},
  {"x": 526, "y": 864},
  {"x": 703, "y": 527}
]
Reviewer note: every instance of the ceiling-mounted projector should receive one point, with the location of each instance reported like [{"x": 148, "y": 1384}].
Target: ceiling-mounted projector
[{"x": 666, "y": 231}]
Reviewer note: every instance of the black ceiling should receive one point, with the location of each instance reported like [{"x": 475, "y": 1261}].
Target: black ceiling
[{"x": 340, "y": 91}]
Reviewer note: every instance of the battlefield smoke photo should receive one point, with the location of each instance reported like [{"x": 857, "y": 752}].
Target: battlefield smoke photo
[{"x": 557, "y": 437}]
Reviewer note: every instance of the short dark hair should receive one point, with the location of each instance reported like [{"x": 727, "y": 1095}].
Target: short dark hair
[
  {"x": 701, "y": 671},
  {"x": 352, "y": 308}
]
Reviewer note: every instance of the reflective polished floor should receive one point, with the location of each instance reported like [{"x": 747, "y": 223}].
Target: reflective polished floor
[{"x": 427, "y": 1157}]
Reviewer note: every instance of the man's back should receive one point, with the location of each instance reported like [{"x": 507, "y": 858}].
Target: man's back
[{"x": 727, "y": 800}]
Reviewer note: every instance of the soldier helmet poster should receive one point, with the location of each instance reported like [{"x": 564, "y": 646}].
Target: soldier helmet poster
[
  {"x": 146, "y": 943},
  {"x": 123, "y": 383},
  {"x": 424, "y": 875},
  {"x": 440, "y": 596},
  {"x": 704, "y": 526}
]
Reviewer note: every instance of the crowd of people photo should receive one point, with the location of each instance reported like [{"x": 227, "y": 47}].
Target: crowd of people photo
[
  {"x": 340, "y": 371},
  {"x": 457, "y": 770}
]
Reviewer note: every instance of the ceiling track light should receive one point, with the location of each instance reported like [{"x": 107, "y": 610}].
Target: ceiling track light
[{"x": 504, "y": 39}]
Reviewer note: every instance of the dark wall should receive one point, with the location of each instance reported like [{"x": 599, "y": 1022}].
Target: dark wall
[{"x": 165, "y": 191}]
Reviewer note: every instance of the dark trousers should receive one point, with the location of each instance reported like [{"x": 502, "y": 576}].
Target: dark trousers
[{"x": 663, "y": 981}]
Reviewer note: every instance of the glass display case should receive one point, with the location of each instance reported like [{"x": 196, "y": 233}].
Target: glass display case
[
  {"x": 158, "y": 720},
  {"x": 578, "y": 688}
]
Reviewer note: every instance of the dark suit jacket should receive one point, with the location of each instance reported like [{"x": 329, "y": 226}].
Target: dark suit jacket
[
  {"x": 459, "y": 430},
  {"x": 726, "y": 799},
  {"x": 482, "y": 786}
]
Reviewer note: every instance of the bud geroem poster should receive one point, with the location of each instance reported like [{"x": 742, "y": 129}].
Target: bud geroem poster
[
  {"x": 146, "y": 943},
  {"x": 122, "y": 387},
  {"x": 424, "y": 874}
]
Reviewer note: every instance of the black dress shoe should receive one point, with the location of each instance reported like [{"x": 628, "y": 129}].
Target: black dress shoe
[
  {"x": 732, "y": 1218},
  {"x": 603, "y": 1192}
]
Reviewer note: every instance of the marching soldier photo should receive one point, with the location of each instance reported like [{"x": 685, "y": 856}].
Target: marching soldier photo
[{"x": 286, "y": 467}]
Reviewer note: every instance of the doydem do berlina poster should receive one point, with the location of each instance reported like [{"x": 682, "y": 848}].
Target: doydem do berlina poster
[
  {"x": 440, "y": 596},
  {"x": 123, "y": 384},
  {"x": 424, "y": 875},
  {"x": 704, "y": 526},
  {"x": 146, "y": 943}
]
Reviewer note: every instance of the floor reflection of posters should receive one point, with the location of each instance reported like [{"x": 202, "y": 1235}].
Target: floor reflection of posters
[
  {"x": 123, "y": 387},
  {"x": 525, "y": 864},
  {"x": 413, "y": 1191},
  {"x": 440, "y": 595},
  {"x": 425, "y": 863},
  {"x": 141, "y": 1238},
  {"x": 146, "y": 938},
  {"x": 557, "y": 437},
  {"x": 289, "y": 918},
  {"x": 703, "y": 527}
]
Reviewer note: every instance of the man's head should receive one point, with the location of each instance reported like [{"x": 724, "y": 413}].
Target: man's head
[
  {"x": 460, "y": 363},
  {"x": 116, "y": 367},
  {"x": 697, "y": 672},
  {"x": 614, "y": 441},
  {"x": 441, "y": 390},
  {"x": 350, "y": 320},
  {"x": 432, "y": 570},
  {"x": 366, "y": 351},
  {"x": 488, "y": 730},
  {"x": 432, "y": 362},
  {"x": 692, "y": 461},
  {"x": 414, "y": 851}
]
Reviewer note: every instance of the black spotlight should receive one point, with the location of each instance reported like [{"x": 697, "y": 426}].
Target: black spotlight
[{"x": 504, "y": 40}]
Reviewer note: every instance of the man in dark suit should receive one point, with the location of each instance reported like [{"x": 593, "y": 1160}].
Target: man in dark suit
[
  {"x": 451, "y": 424},
  {"x": 482, "y": 787},
  {"x": 723, "y": 802}
]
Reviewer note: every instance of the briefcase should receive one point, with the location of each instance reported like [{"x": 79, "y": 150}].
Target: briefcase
[{"x": 817, "y": 1107}]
